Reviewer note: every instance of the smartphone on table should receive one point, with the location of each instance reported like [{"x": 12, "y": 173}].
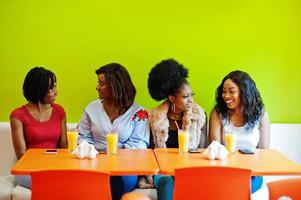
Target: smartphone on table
[
  {"x": 102, "y": 151},
  {"x": 51, "y": 151},
  {"x": 246, "y": 151},
  {"x": 194, "y": 150}
]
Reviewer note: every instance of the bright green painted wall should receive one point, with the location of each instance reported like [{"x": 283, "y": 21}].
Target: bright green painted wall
[{"x": 211, "y": 38}]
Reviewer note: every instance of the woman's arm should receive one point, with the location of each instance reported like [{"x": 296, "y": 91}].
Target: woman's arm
[
  {"x": 264, "y": 131},
  {"x": 63, "y": 139},
  {"x": 204, "y": 135},
  {"x": 18, "y": 137},
  {"x": 215, "y": 128},
  {"x": 84, "y": 128},
  {"x": 139, "y": 138}
]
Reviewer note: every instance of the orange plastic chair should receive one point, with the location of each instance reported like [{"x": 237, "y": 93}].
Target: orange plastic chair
[
  {"x": 288, "y": 187},
  {"x": 70, "y": 185},
  {"x": 212, "y": 183}
]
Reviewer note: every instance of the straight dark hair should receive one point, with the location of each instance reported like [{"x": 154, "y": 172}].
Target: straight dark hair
[
  {"x": 252, "y": 105},
  {"x": 37, "y": 83},
  {"x": 120, "y": 84}
]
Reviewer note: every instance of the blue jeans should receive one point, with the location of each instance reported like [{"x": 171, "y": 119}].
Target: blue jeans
[
  {"x": 24, "y": 180},
  {"x": 121, "y": 185},
  {"x": 164, "y": 185},
  {"x": 256, "y": 183}
]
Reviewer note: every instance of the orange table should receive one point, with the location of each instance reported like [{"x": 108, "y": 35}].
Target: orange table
[
  {"x": 126, "y": 162},
  {"x": 263, "y": 162}
]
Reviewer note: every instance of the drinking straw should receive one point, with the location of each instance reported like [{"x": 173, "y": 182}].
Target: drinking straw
[{"x": 176, "y": 123}]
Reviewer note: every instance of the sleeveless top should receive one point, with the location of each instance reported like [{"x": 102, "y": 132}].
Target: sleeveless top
[{"x": 245, "y": 139}]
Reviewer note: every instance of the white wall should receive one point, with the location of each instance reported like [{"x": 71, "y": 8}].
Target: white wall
[
  {"x": 287, "y": 139},
  {"x": 7, "y": 153}
]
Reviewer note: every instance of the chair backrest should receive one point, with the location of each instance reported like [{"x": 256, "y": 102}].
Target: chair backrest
[
  {"x": 70, "y": 185},
  {"x": 212, "y": 183},
  {"x": 287, "y": 187}
]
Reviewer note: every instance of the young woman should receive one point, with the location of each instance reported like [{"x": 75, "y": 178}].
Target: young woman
[
  {"x": 115, "y": 111},
  {"x": 40, "y": 123},
  {"x": 239, "y": 110},
  {"x": 167, "y": 81}
]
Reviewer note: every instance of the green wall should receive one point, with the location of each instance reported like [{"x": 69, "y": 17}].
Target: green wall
[{"x": 211, "y": 38}]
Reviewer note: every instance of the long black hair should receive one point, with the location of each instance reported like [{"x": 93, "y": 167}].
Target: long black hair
[{"x": 252, "y": 105}]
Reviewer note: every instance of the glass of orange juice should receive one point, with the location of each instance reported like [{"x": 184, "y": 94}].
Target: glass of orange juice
[
  {"x": 112, "y": 141},
  {"x": 72, "y": 137},
  {"x": 230, "y": 142},
  {"x": 183, "y": 140}
]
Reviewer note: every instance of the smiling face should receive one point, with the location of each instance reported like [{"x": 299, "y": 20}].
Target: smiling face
[
  {"x": 182, "y": 99},
  {"x": 103, "y": 87},
  {"x": 231, "y": 94}
]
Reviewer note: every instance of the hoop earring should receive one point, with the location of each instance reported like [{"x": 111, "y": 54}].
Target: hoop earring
[{"x": 173, "y": 107}]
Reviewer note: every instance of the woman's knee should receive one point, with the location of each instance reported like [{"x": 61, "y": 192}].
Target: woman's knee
[
  {"x": 256, "y": 183},
  {"x": 24, "y": 180},
  {"x": 165, "y": 182},
  {"x": 130, "y": 182}
]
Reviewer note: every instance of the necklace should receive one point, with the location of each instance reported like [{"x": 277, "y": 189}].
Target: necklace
[
  {"x": 174, "y": 119},
  {"x": 40, "y": 114},
  {"x": 174, "y": 116}
]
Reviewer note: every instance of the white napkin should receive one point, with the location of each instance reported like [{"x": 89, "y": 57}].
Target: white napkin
[
  {"x": 85, "y": 150},
  {"x": 216, "y": 151}
]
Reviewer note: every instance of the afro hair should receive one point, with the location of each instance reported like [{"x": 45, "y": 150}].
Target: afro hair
[{"x": 166, "y": 78}]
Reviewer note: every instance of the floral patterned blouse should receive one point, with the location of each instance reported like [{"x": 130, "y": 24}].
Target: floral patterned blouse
[{"x": 132, "y": 127}]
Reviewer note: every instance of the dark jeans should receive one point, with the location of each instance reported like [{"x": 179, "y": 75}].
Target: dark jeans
[
  {"x": 164, "y": 185},
  {"x": 121, "y": 185}
]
